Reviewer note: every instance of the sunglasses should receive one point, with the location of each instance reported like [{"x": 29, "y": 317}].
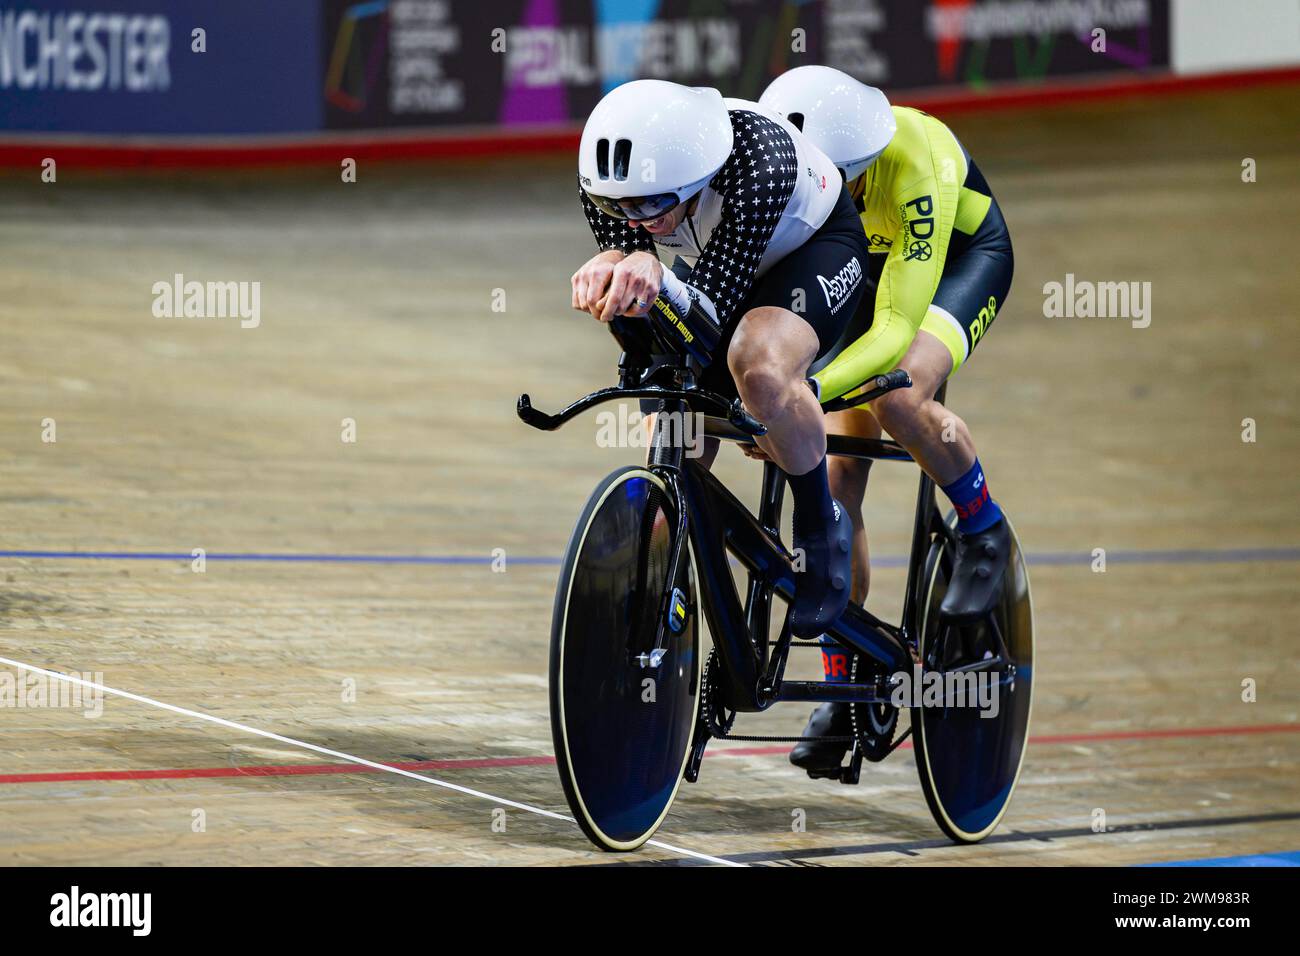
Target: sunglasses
[{"x": 640, "y": 208}]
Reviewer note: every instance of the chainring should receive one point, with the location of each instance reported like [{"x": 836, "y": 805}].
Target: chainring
[
  {"x": 873, "y": 724},
  {"x": 717, "y": 718}
]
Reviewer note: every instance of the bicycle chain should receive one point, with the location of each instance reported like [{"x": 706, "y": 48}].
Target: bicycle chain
[
  {"x": 866, "y": 737},
  {"x": 718, "y": 722},
  {"x": 715, "y": 718}
]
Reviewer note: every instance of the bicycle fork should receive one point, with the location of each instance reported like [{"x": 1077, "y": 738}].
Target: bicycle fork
[{"x": 673, "y": 609}]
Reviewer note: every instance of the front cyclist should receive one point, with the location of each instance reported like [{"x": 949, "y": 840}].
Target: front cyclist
[
  {"x": 770, "y": 250},
  {"x": 941, "y": 255}
]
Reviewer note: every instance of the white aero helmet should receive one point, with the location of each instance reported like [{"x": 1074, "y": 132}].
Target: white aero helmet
[
  {"x": 848, "y": 121},
  {"x": 650, "y": 145}
]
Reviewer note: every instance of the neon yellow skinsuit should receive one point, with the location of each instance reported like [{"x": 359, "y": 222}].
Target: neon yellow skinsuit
[{"x": 912, "y": 198}]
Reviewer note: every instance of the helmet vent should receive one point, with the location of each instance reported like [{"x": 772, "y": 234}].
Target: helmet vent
[
  {"x": 622, "y": 158},
  {"x": 797, "y": 120},
  {"x": 602, "y": 158}
]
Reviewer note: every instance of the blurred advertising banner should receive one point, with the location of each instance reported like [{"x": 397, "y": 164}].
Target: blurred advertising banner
[
  {"x": 139, "y": 67},
  {"x": 460, "y": 62},
  {"x": 293, "y": 66},
  {"x": 899, "y": 44},
  {"x": 450, "y": 62}
]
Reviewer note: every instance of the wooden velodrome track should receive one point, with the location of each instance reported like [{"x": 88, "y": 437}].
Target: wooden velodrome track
[{"x": 377, "y": 305}]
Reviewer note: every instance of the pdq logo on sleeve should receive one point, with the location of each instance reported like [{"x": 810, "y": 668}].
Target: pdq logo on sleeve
[{"x": 75, "y": 50}]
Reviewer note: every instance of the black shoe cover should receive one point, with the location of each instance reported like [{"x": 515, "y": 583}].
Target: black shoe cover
[
  {"x": 977, "y": 576},
  {"x": 821, "y": 590},
  {"x": 822, "y": 758}
]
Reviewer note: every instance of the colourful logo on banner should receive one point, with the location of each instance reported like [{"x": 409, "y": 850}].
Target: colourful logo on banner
[
  {"x": 955, "y": 22},
  {"x": 623, "y": 61},
  {"x": 542, "y": 48},
  {"x": 521, "y": 101},
  {"x": 354, "y": 69}
]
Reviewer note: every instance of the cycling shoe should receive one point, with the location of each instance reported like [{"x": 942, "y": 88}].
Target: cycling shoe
[
  {"x": 977, "y": 576},
  {"x": 821, "y": 590},
  {"x": 822, "y": 758}
]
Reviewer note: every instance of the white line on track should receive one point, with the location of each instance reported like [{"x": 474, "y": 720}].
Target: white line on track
[{"x": 234, "y": 725}]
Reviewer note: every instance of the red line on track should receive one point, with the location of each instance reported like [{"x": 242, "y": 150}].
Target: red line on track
[
  {"x": 19, "y": 150},
  {"x": 473, "y": 763}
]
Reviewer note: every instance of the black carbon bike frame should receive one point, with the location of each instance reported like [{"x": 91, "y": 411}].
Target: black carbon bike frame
[{"x": 717, "y": 526}]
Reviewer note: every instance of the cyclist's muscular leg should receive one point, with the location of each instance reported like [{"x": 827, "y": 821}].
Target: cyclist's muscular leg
[
  {"x": 848, "y": 483},
  {"x": 942, "y": 445},
  {"x": 938, "y": 439},
  {"x": 768, "y": 358},
  {"x": 848, "y": 479}
]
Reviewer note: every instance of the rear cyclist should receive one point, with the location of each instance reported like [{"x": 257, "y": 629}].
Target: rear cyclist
[
  {"x": 941, "y": 258},
  {"x": 756, "y": 216}
]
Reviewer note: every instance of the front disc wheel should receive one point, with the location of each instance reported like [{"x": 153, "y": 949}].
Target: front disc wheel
[{"x": 623, "y": 707}]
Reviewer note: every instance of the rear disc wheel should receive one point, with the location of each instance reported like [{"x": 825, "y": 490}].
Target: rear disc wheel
[{"x": 969, "y": 764}]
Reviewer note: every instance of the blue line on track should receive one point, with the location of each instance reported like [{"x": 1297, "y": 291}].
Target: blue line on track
[
  {"x": 1290, "y": 858},
  {"x": 1188, "y": 556},
  {"x": 292, "y": 558}
]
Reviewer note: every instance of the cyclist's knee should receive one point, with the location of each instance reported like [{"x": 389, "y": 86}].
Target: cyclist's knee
[
  {"x": 901, "y": 413},
  {"x": 771, "y": 338},
  {"x": 763, "y": 378},
  {"x": 768, "y": 356},
  {"x": 762, "y": 387}
]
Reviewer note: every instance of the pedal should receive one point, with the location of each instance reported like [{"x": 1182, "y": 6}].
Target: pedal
[
  {"x": 853, "y": 772},
  {"x": 825, "y": 774},
  {"x": 702, "y": 738}
]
